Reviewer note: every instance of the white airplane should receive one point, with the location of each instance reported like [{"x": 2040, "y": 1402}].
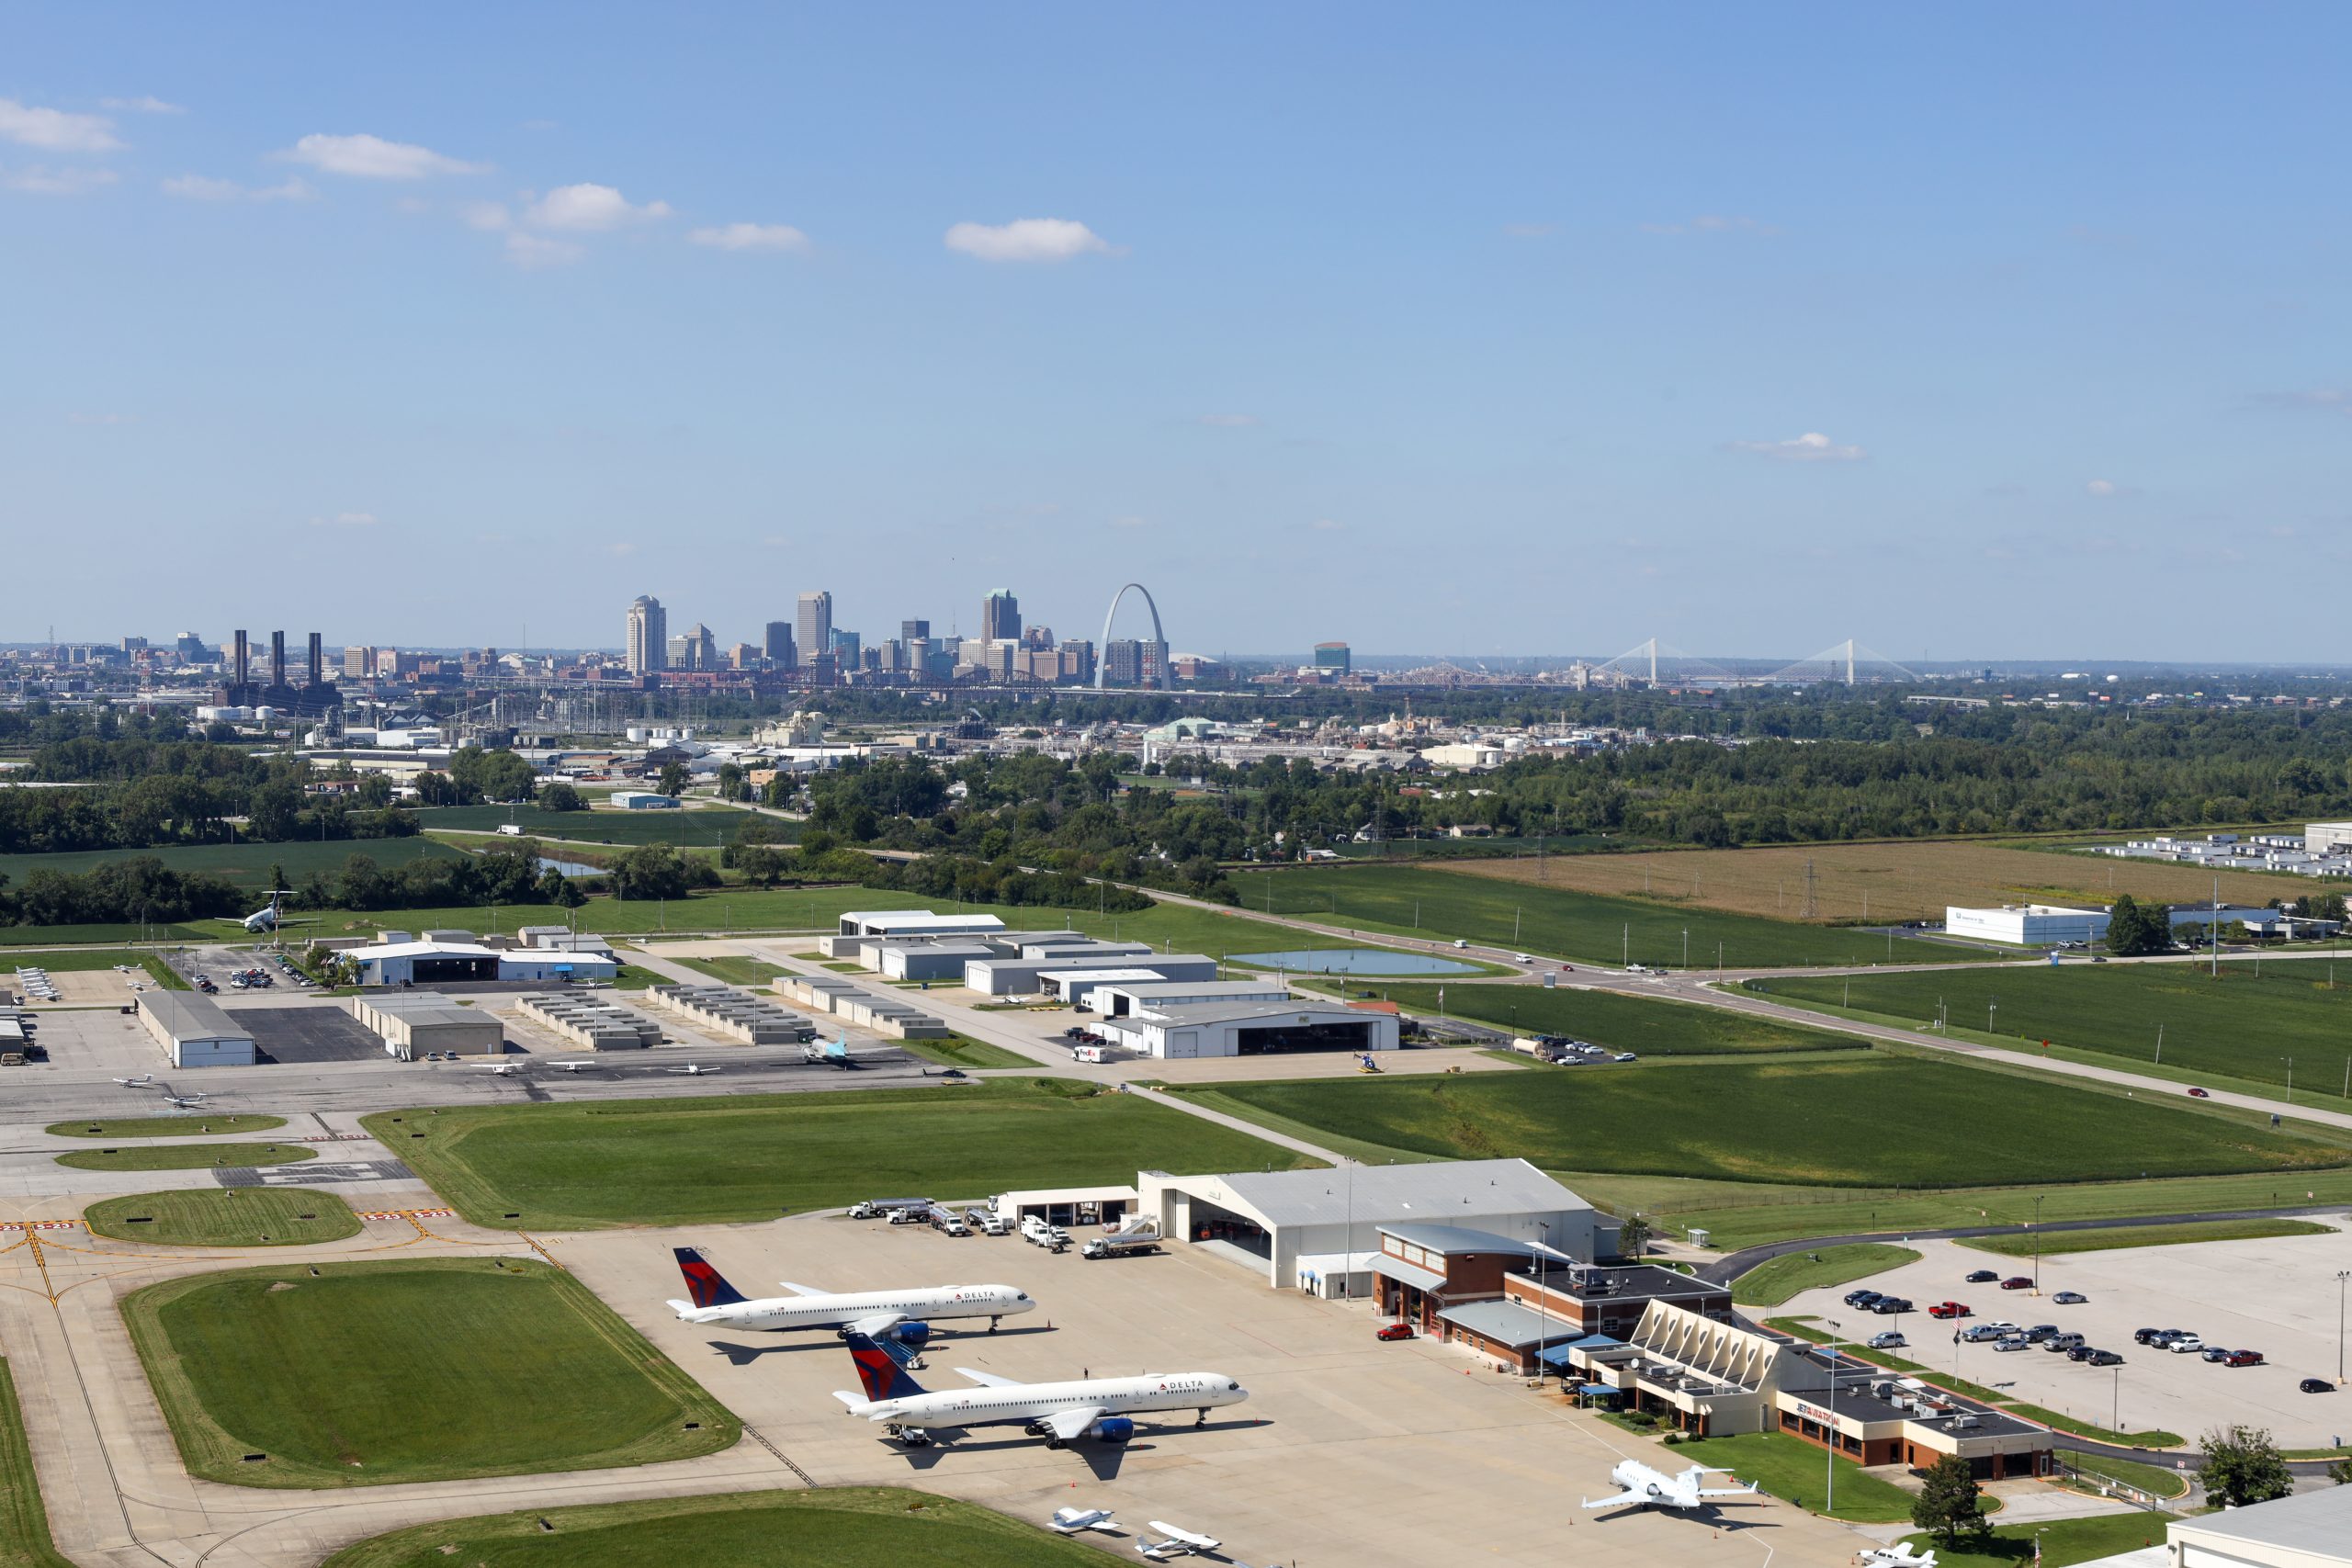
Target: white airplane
[
  {"x": 188, "y": 1101},
  {"x": 1645, "y": 1487},
  {"x": 691, "y": 1069},
  {"x": 141, "y": 1082},
  {"x": 1179, "y": 1543},
  {"x": 568, "y": 1066},
  {"x": 901, "y": 1316},
  {"x": 266, "y": 920},
  {"x": 1899, "y": 1555},
  {"x": 1073, "y": 1521},
  {"x": 503, "y": 1069},
  {"x": 1062, "y": 1413}
]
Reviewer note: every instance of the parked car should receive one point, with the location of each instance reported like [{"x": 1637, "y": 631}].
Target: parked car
[
  {"x": 2082, "y": 1352},
  {"x": 2188, "y": 1344},
  {"x": 2243, "y": 1358},
  {"x": 1395, "y": 1331},
  {"x": 2105, "y": 1358},
  {"x": 2017, "y": 1283},
  {"x": 2070, "y": 1298},
  {"x": 1862, "y": 1298},
  {"x": 1888, "y": 1340},
  {"x": 1981, "y": 1276},
  {"x": 2041, "y": 1331},
  {"x": 2215, "y": 1353},
  {"x": 1893, "y": 1304},
  {"x": 1950, "y": 1309},
  {"x": 2142, "y": 1336},
  {"x": 2063, "y": 1342},
  {"x": 2011, "y": 1342},
  {"x": 2316, "y": 1386},
  {"x": 1978, "y": 1333}
]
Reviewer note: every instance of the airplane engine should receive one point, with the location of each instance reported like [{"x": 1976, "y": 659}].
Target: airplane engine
[
  {"x": 913, "y": 1335},
  {"x": 1113, "y": 1429}
]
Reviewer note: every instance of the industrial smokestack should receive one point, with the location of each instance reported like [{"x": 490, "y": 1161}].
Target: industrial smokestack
[
  {"x": 277, "y": 659},
  {"x": 242, "y": 660},
  {"x": 318, "y": 672}
]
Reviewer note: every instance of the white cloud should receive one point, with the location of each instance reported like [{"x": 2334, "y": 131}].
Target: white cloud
[
  {"x": 2104, "y": 488},
  {"x": 1228, "y": 421},
  {"x": 1328, "y": 525},
  {"x": 1027, "y": 240},
  {"x": 55, "y": 130},
  {"x": 532, "y": 252},
  {"x": 1712, "y": 223},
  {"x": 589, "y": 208},
  {"x": 751, "y": 237},
  {"x": 144, "y": 104},
  {"x": 35, "y": 180},
  {"x": 621, "y": 548},
  {"x": 490, "y": 216},
  {"x": 1529, "y": 231},
  {"x": 202, "y": 188},
  {"x": 346, "y": 520},
  {"x": 1811, "y": 447},
  {"x": 373, "y": 158},
  {"x": 2335, "y": 399},
  {"x": 1130, "y": 521}
]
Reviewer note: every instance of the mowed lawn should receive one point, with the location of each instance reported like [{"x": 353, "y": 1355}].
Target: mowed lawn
[
  {"x": 1775, "y": 1279},
  {"x": 423, "y": 1369},
  {"x": 186, "y": 1157},
  {"x": 705, "y": 827},
  {"x": 246, "y": 865},
  {"x": 2112, "y": 1238},
  {"x": 224, "y": 1216},
  {"x": 24, "y": 1522},
  {"x": 575, "y": 1166},
  {"x": 2241, "y": 1025},
  {"x": 1791, "y": 1469},
  {"x": 1855, "y": 1120},
  {"x": 1588, "y": 928},
  {"x": 1606, "y": 1018},
  {"x": 851, "y": 1527},
  {"x": 165, "y": 1126}
]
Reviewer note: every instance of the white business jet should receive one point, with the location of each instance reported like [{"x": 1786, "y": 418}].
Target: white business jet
[
  {"x": 902, "y": 1317},
  {"x": 1899, "y": 1555},
  {"x": 1076, "y": 1521},
  {"x": 1060, "y": 1412},
  {"x": 1177, "y": 1542},
  {"x": 1646, "y": 1488}
]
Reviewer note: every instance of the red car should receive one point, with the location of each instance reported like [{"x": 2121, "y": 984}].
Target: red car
[
  {"x": 2201, "y": 1094},
  {"x": 1950, "y": 1309},
  {"x": 1395, "y": 1331},
  {"x": 2243, "y": 1358},
  {"x": 2017, "y": 1283}
]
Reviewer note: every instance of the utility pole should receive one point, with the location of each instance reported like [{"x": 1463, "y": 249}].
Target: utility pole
[
  {"x": 2037, "y": 1242},
  {"x": 1812, "y": 893}
]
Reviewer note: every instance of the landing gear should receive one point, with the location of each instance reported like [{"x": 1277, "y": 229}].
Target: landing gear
[
  {"x": 1203, "y": 1417},
  {"x": 993, "y": 1323}
]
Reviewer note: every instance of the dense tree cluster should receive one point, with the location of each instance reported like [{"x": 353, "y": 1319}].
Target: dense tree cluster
[
  {"x": 141, "y": 794},
  {"x": 123, "y": 892}
]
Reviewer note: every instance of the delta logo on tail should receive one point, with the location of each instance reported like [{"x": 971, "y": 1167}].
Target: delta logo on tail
[
  {"x": 704, "y": 1283},
  {"x": 878, "y": 1371}
]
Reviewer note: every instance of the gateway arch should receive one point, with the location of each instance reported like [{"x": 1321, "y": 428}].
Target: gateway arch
[{"x": 1158, "y": 638}]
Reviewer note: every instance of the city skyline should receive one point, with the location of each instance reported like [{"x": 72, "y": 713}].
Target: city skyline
[{"x": 1965, "y": 335}]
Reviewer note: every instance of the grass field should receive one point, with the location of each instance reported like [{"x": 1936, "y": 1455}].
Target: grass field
[
  {"x": 24, "y": 1523},
  {"x": 959, "y": 1051},
  {"x": 753, "y": 973},
  {"x": 2154, "y": 1479},
  {"x": 425, "y": 1370},
  {"x": 1535, "y": 917},
  {"x": 2155, "y": 1438},
  {"x": 837, "y": 1528},
  {"x": 1792, "y": 1471},
  {"x": 2243, "y": 1025},
  {"x": 224, "y": 1216},
  {"x": 2053, "y": 1242},
  {"x": 246, "y": 864},
  {"x": 186, "y": 1157},
  {"x": 165, "y": 1126},
  {"x": 706, "y": 825},
  {"x": 1608, "y": 1018},
  {"x": 1900, "y": 880},
  {"x": 752, "y": 1157},
  {"x": 2063, "y": 1541},
  {"x": 75, "y": 936},
  {"x": 1777, "y": 1278},
  {"x": 1850, "y": 1119}
]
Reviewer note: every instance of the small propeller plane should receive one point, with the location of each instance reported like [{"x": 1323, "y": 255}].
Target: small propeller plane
[
  {"x": 141, "y": 1082},
  {"x": 1074, "y": 1521},
  {"x": 1647, "y": 1488},
  {"x": 1175, "y": 1542},
  {"x": 570, "y": 1066},
  {"x": 691, "y": 1069},
  {"x": 187, "y": 1101},
  {"x": 1899, "y": 1555},
  {"x": 503, "y": 1069}
]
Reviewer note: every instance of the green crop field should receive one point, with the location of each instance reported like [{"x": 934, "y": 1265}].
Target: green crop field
[
  {"x": 186, "y": 1157},
  {"x": 224, "y": 1216},
  {"x": 2048, "y": 1243},
  {"x": 1586, "y": 927},
  {"x": 707, "y": 827},
  {"x": 1777, "y": 1278},
  {"x": 858, "y": 1527},
  {"x": 247, "y": 866},
  {"x": 165, "y": 1126},
  {"x": 752, "y": 1157},
  {"x": 1608, "y": 1018},
  {"x": 2243, "y": 1025},
  {"x": 24, "y": 1523},
  {"x": 425, "y": 1370},
  {"x": 1852, "y": 1118}
]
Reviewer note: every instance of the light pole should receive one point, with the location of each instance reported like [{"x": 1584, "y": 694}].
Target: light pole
[
  {"x": 1627, "y": 957},
  {"x": 2290, "y": 1080},
  {"x": 1543, "y": 1307},
  {"x": 2115, "y": 1409},
  {"x": 1829, "y": 1465},
  {"x": 2341, "y": 1276}
]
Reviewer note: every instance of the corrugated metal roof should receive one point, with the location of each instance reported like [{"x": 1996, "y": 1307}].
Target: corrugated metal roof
[
  {"x": 2318, "y": 1522},
  {"x": 186, "y": 1017},
  {"x": 1456, "y": 1238},
  {"x": 1437, "y": 1193},
  {"x": 1510, "y": 1324}
]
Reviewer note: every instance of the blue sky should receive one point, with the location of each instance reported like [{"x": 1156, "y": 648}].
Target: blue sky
[{"x": 1994, "y": 331}]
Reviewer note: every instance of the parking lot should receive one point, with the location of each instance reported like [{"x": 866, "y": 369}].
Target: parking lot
[
  {"x": 2278, "y": 1295},
  {"x": 1348, "y": 1450}
]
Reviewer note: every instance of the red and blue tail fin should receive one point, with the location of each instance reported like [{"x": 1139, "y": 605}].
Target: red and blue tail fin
[
  {"x": 879, "y": 1372},
  {"x": 704, "y": 1283}
]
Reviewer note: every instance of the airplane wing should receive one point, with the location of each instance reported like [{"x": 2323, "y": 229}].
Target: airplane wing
[
  {"x": 1070, "y": 1424},
  {"x": 1192, "y": 1539},
  {"x": 989, "y": 1380},
  {"x": 873, "y": 1326},
  {"x": 799, "y": 1290},
  {"x": 1618, "y": 1501},
  {"x": 1747, "y": 1490}
]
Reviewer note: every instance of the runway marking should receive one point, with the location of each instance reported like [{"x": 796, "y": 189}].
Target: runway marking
[
  {"x": 781, "y": 1458},
  {"x": 543, "y": 1252},
  {"x": 43, "y": 1264},
  {"x": 39, "y": 1225},
  {"x": 407, "y": 1215}
]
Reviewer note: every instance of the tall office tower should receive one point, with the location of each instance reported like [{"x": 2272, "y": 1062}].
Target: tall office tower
[
  {"x": 1000, "y": 617},
  {"x": 702, "y": 648},
  {"x": 241, "y": 661},
  {"x": 277, "y": 659},
  {"x": 815, "y": 624},
  {"x": 848, "y": 651},
  {"x": 190, "y": 646},
  {"x": 1334, "y": 659},
  {"x": 1128, "y": 662},
  {"x": 649, "y": 635},
  {"x": 911, "y": 630},
  {"x": 316, "y": 672},
  {"x": 359, "y": 663},
  {"x": 778, "y": 647}
]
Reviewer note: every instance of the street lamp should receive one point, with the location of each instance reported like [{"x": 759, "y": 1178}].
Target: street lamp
[
  {"x": 2037, "y": 1242},
  {"x": 2341, "y": 1276},
  {"x": 1830, "y": 1464}
]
